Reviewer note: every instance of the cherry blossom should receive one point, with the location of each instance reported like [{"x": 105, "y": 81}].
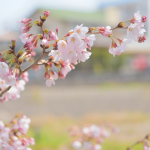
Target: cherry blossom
[
  {"x": 134, "y": 31},
  {"x": 45, "y": 42},
  {"x": 62, "y": 46},
  {"x": 10, "y": 80},
  {"x": 137, "y": 18},
  {"x": 81, "y": 31},
  {"x": 51, "y": 80},
  {"x": 11, "y": 139},
  {"x": 64, "y": 53},
  {"x": 105, "y": 31},
  {"x": 52, "y": 36},
  {"x": 74, "y": 40},
  {"x": 84, "y": 55},
  {"x": 24, "y": 37},
  {"x": 4, "y": 69},
  {"x": 89, "y": 137}
]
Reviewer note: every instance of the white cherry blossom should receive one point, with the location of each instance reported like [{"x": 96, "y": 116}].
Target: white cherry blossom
[
  {"x": 24, "y": 37},
  {"x": 81, "y": 31},
  {"x": 4, "y": 69},
  {"x": 74, "y": 40},
  {"x": 62, "y": 46}
]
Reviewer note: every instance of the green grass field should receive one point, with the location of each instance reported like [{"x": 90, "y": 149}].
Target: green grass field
[{"x": 51, "y": 132}]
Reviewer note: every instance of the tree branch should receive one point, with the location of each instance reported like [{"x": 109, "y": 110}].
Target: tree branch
[
  {"x": 35, "y": 63},
  {"x": 29, "y": 67},
  {"x": 146, "y": 137},
  {"x": 4, "y": 91}
]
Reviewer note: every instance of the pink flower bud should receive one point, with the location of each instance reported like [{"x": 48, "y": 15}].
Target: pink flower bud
[
  {"x": 31, "y": 141},
  {"x": 144, "y": 19},
  {"x": 57, "y": 30},
  {"x": 25, "y": 142},
  {"x": 46, "y": 13},
  {"x": 142, "y": 39},
  {"x": 2, "y": 59},
  {"x": 60, "y": 75},
  {"x": 33, "y": 54}
]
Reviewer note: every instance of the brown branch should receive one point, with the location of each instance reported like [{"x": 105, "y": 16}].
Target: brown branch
[
  {"x": 29, "y": 67},
  {"x": 119, "y": 28},
  {"x": 35, "y": 63},
  {"x": 111, "y": 29},
  {"x": 4, "y": 91},
  {"x": 93, "y": 33},
  {"x": 146, "y": 137}
]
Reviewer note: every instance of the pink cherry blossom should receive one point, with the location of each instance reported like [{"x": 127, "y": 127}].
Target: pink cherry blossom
[
  {"x": 62, "y": 46},
  {"x": 25, "y": 76},
  {"x": 52, "y": 36},
  {"x": 10, "y": 80},
  {"x": 56, "y": 54},
  {"x": 65, "y": 67},
  {"x": 1, "y": 125},
  {"x": 24, "y": 37},
  {"x": 61, "y": 75},
  {"x": 137, "y": 18},
  {"x": 4, "y": 69},
  {"x": 81, "y": 31},
  {"x": 50, "y": 81},
  {"x": 97, "y": 147},
  {"x": 11, "y": 139},
  {"x": 134, "y": 31},
  {"x": 45, "y": 42},
  {"x": 74, "y": 40},
  {"x": 77, "y": 145},
  {"x": 20, "y": 85},
  {"x": 70, "y": 56},
  {"x": 26, "y": 25},
  {"x": 84, "y": 55},
  {"x": 105, "y": 31},
  {"x": 88, "y": 41},
  {"x": 2, "y": 84}
]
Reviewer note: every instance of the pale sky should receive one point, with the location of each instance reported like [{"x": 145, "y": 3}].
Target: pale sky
[{"x": 13, "y": 10}]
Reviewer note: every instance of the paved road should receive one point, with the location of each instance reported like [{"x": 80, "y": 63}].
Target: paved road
[{"x": 79, "y": 100}]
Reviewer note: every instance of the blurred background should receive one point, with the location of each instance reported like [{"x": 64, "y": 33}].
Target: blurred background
[{"x": 104, "y": 88}]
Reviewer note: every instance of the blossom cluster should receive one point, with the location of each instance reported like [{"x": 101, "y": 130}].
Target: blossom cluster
[
  {"x": 90, "y": 137},
  {"x": 13, "y": 135},
  {"x": 69, "y": 52},
  {"x": 7, "y": 79},
  {"x": 64, "y": 52},
  {"x": 135, "y": 31}
]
